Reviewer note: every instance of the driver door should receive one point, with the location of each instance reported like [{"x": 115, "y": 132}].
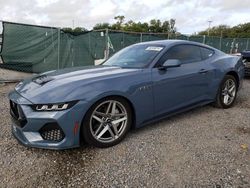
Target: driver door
[{"x": 179, "y": 87}]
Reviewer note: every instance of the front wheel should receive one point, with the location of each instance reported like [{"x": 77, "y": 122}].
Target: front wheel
[
  {"x": 107, "y": 122},
  {"x": 227, "y": 92}
]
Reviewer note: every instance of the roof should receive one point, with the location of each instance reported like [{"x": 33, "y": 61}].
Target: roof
[{"x": 174, "y": 42}]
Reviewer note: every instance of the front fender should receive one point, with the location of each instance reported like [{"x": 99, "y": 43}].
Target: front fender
[{"x": 141, "y": 100}]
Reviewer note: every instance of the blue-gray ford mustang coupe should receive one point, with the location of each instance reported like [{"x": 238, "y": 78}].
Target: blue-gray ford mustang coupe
[{"x": 138, "y": 85}]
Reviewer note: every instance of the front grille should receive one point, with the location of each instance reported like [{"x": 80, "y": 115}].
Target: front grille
[
  {"x": 247, "y": 63},
  {"x": 52, "y": 132},
  {"x": 247, "y": 71},
  {"x": 14, "y": 110},
  {"x": 17, "y": 114}
]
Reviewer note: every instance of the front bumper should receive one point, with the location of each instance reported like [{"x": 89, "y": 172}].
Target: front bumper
[
  {"x": 63, "y": 127},
  {"x": 247, "y": 71}
]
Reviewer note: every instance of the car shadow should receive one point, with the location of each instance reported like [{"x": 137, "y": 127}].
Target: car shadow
[{"x": 169, "y": 120}]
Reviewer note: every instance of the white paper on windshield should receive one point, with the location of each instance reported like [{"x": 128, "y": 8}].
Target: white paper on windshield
[{"x": 154, "y": 48}]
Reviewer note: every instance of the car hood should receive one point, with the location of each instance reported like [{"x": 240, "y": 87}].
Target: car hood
[{"x": 62, "y": 85}]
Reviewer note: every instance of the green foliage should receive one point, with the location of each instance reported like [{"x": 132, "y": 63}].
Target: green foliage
[
  {"x": 239, "y": 31},
  {"x": 119, "y": 22},
  {"x": 67, "y": 29},
  {"x": 167, "y": 26},
  {"x": 154, "y": 25},
  {"x": 172, "y": 26},
  {"x": 136, "y": 27},
  {"x": 75, "y": 31},
  {"x": 80, "y": 30},
  {"x": 102, "y": 26}
]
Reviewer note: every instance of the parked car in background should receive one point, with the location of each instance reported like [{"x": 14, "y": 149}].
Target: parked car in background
[
  {"x": 138, "y": 85},
  {"x": 246, "y": 58}
]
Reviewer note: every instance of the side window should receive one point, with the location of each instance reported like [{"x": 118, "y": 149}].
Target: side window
[
  {"x": 206, "y": 53},
  {"x": 185, "y": 53}
]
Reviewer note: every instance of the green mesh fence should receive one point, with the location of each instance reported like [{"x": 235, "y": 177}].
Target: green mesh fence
[
  {"x": 29, "y": 49},
  {"x": 213, "y": 41},
  {"x": 182, "y": 37},
  {"x": 36, "y": 49},
  {"x": 196, "y": 39},
  {"x": 241, "y": 44},
  {"x": 152, "y": 37},
  {"x": 227, "y": 45},
  {"x": 120, "y": 40}
]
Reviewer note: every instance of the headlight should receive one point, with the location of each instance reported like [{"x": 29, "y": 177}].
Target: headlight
[
  {"x": 53, "y": 107},
  {"x": 18, "y": 85}
]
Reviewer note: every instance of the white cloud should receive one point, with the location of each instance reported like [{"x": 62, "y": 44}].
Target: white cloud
[
  {"x": 45, "y": 3},
  {"x": 100, "y": 8},
  {"x": 191, "y": 16}
]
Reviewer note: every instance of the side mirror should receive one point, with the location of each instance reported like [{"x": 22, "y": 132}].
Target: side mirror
[{"x": 170, "y": 63}]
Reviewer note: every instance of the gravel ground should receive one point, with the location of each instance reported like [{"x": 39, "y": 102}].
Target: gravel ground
[{"x": 205, "y": 147}]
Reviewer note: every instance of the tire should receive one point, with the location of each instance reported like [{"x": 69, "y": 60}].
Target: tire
[
  {"x": 107, "y": 122},
  {"x": 226, "y": 94}
]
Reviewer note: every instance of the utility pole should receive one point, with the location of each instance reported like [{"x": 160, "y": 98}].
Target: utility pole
[
  {"x": 58, "y": 47},
  {"x": 209, "y": 25},
  {"x": 73, "y": 24}
]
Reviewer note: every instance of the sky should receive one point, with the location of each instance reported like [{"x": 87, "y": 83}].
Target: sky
[{"x": 191, "y": 15}]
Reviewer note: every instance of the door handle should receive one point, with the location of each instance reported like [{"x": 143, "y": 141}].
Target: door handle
[{"x": 203, "y": 71}]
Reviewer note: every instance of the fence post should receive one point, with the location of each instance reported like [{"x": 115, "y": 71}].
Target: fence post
[
  {"x": 123, "y": 40},
  {"x": 204, "y": 39},
  {"x": 141, "y": 38},
  {"x": 89, "y": 42},
  {"x": 58, "y": 47},
  {"x": 232, "y": 46},
  {"x": 247, "y": 44},
  {"x": 220, "y": 42},
  {"x": 107, "y": 44}
]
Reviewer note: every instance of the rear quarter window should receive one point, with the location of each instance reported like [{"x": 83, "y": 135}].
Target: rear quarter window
[{"x": 206, "y": 53}]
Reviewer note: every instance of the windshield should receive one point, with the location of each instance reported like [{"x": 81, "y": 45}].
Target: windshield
[{"x": 136, "y": 56}]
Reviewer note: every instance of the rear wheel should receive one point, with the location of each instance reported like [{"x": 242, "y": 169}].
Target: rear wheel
[
  {"x": 227, "y": 92},
  {"x": 107, "y": 122}
]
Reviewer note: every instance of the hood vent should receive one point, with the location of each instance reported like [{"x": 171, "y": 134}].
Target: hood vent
[{"x": 43, "y": 79}]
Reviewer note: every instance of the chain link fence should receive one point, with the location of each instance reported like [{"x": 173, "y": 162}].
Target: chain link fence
[{"x": 26, "y": 49}]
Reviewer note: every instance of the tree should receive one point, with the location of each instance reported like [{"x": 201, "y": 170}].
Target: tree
[
  {"x": 172, "y": 26},
  {"x": 154, "y": 25},
  {"x": 76, "y": 31},
  {"x": 241, "y": 30},
  {"x": 238, "y": 31},
  {"x": 119, "y": 22},
  {"x": 102, "y": 26},
  {"x": 120, "y": 19},
  {"x": 165, "y": 27},
  {"x": 67, "y": 29},
  {"x": 221, "y": 30},
  {"x": 79, "y": 30},
  {"x": 136, "y": 27}
]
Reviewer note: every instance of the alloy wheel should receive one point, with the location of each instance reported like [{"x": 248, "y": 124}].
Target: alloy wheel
[
  {"x": 108, "y": 121},
  {"x": 229, "y": 92}
]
